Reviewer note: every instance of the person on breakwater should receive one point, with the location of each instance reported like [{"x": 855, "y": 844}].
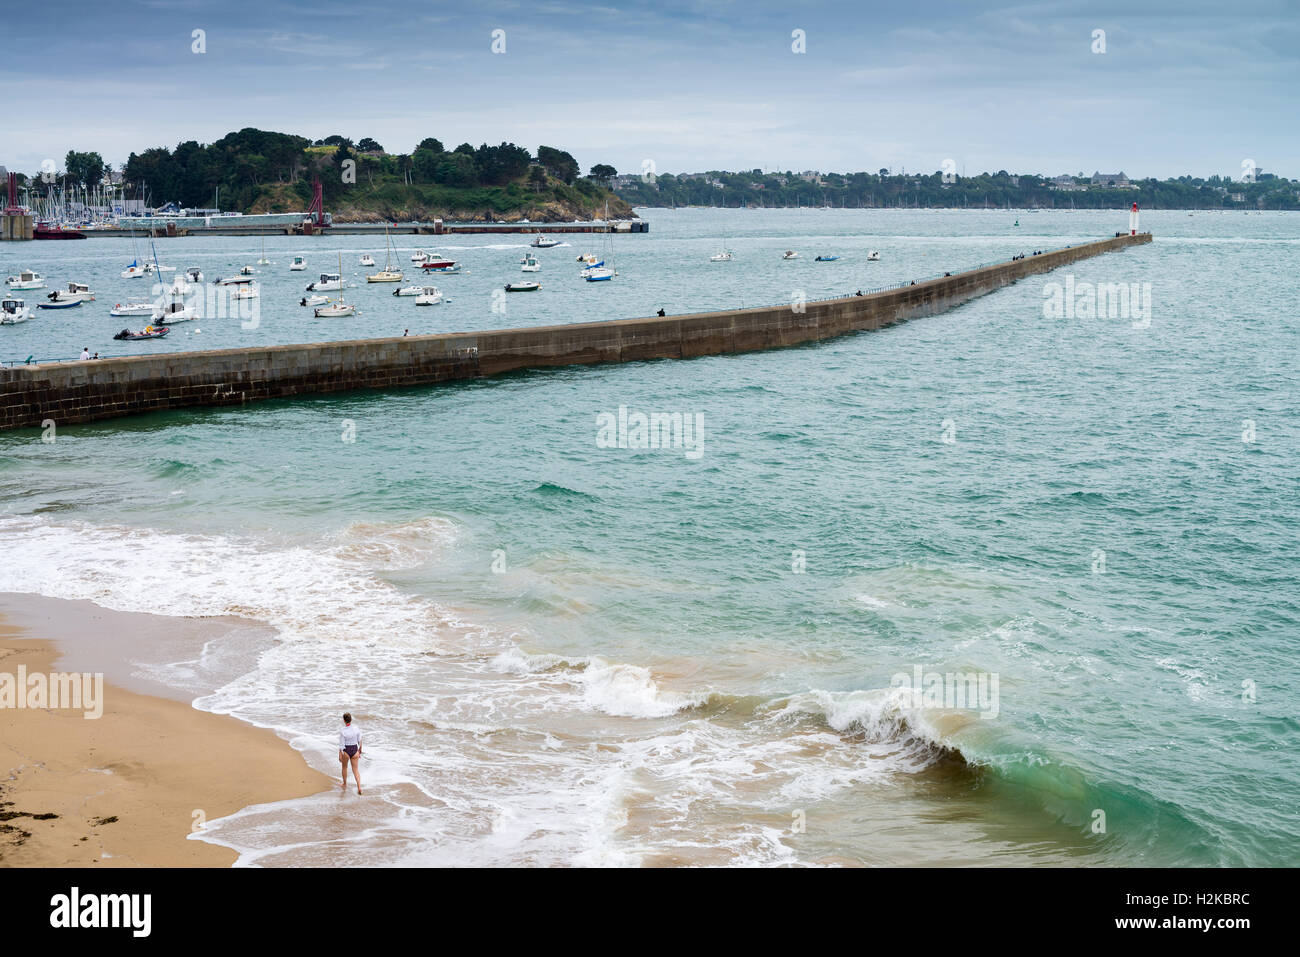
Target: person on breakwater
[{"x": 350, "y": 750}]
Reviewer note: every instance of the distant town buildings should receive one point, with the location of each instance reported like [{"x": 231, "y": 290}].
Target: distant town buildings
[{"x": 1117, "y": 180}]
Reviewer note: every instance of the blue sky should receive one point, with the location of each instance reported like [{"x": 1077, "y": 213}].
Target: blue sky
[{"x": 1183, "y": 87}]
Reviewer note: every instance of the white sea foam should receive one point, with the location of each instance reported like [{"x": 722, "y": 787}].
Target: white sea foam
[{"x": 478, "y": 752}]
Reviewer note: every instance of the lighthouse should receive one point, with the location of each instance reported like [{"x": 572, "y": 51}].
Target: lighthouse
[{"x": 1133, "y": 220}]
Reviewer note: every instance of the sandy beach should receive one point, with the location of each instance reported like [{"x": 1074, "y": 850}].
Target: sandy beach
[{"x": 125, "y": 789}]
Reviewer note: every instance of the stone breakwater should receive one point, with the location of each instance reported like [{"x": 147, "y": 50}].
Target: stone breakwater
[{"x": 72, "y": 392}]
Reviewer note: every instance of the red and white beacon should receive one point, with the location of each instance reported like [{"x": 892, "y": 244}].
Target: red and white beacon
[{"x": 1133, "y": 220}]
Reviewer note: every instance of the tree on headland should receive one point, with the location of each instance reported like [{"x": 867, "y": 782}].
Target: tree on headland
[
  {"x": 603, "y": 171},
  {"x": 432, "y": 145},
  {"x": 559, "y": 164},
  {"x": 498, "y": 165},
  {"x": 367, "y": 145}
]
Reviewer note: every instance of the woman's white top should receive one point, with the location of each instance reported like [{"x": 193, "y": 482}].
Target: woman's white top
[{"x": 350, "y": 734}]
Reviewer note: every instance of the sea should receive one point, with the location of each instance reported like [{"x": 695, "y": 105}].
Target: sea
[{"x": 1001, "y": 586}]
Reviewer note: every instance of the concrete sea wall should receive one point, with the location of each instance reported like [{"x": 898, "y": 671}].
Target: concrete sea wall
[{"x": 71, "y": 392}]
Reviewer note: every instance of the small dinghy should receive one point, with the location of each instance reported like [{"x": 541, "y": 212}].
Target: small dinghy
[
  {"x": 790, "y": 254},
  {"x": 55, "y": 303},
  {"x": 315, "y": 300},
  {"x": 523, "y": 286},
  {"x": 148, "y": 332},
  {"x": 409, "y": 291},
  {"x": 873, "y": 256},
  {"x": 826, "y": 259}
]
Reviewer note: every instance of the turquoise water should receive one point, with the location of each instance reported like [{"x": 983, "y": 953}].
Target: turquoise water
[{"x": 1065, "y": 504}]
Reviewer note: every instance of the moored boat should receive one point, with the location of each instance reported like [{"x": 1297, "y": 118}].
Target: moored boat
[
  {"x": 544, "y": 242},
  {"x": 148, "y": 332},
  {"x": 59, "y": 303},
  {"x": 328, "y": 282},
  {"x": 26, "y": 279},
  {"x": 826, "y": 259},
  {"x": 790, "y": 254},
  {"x": 14, "y": 311},
  {"x": 55, "y": 231},
  {"x": 429, "y": 296},
  {"x": 530, "y": 264},
  {"x": 132, "y": 307},
  {"x": 523, "y": 286},
  {"x": 299, "y": 263},
  {"x": 78, "y": 291},
  {"x": 408, "y": 291}
]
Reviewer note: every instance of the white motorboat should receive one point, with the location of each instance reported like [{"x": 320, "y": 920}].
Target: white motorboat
[
  {"x": 873, "y": 256},
  {"x": 245, "y": 292},
  {"x": 76, "y": 292},
  {"x": 722, "y": 257},
  {"x": 26, "y": 279},
  {"x": 523, "y": 286},
  {"x": 233, "y": 281},
  {"x": 530, "y": 264},
  {"x": 367, "y": 260},
  {"x": 328, "y": 282},
  {"x": 409, "y": 291},
  {"x": 299, "y": 264},
  {"x": 176, "y": 310},
  {"x": 429, "y": 296},
  {"x": 133, "y": 307},
  {"x": 315, "y": 300},
  {"x": 14, "y": 311},
  {"x": 419, "y": 256},
  {"x": 544, "y": 242},
  {"x": 790, "y": 254}
]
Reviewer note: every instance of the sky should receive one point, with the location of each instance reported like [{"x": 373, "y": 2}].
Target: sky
[{"x": 1181, "y": 87}]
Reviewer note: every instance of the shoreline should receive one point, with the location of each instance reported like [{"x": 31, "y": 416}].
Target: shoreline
[{"x": 128, "y": 788}]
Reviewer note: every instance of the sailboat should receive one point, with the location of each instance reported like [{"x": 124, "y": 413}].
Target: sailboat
[
  {"x": 388, "y": 273},
  {"x": 135, "y": 270},
  {"x": 337, "y": 309},
  {"x": 603, "y": 273},
  {"x": 264, "y": 261}
]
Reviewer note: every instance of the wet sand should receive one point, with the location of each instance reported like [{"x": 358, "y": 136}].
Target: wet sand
[{"x": 127, "y": 788}]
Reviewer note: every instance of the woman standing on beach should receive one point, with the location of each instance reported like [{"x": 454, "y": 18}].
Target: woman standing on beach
[{"x": 350, "y": 750}]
